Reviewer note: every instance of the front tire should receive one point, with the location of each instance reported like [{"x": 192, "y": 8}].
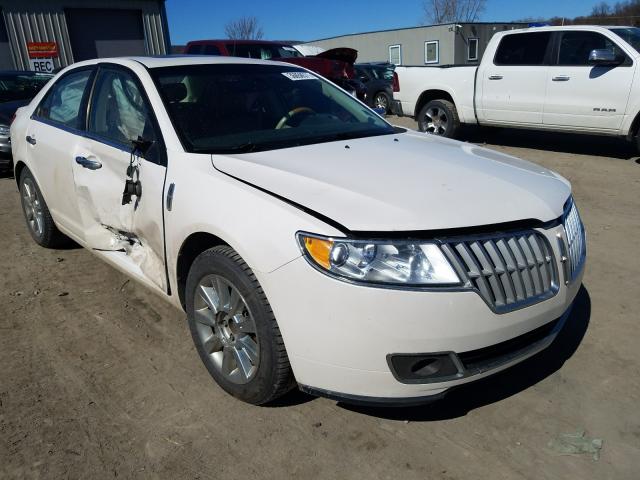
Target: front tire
[
  {"x": 439, "y": 117},
  {"x": 41, "y": 226},
  {"x": 234, "y": 329}
]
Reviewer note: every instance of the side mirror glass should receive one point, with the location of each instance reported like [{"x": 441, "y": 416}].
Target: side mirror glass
[{"x": 603, "y": 57}]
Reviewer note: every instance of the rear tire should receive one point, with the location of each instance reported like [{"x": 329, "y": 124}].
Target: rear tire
[
  {"x": 41, "y": 226},
  {"x": 381, "y": 100},
  {"x": 439, "y": 117},
  {"x": 234, "y": 329}
]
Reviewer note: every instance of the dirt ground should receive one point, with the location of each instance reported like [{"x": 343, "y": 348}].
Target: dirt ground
[{"x": 99, "y": 379}]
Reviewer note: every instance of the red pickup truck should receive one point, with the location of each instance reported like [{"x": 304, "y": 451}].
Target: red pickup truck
[{"x": 335, "y": 64}]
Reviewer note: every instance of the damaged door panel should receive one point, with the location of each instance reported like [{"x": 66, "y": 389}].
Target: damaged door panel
[{"x": 123, "y": 154}]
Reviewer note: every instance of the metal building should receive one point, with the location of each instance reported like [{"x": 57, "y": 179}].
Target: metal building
[
  {"x": 48, "y": 34},
  {"x": 446, "y": 44}
]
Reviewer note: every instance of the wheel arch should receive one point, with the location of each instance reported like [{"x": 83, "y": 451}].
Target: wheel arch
[
  {"x": 17, "y": 171},
  {"x": 634, "y": 128},
  {"x": 191, "y": 247},
  {"x": 428, "y": 95}
]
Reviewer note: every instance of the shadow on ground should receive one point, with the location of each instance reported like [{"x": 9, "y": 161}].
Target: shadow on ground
[
  {"x": 601, "y": 146},
  {"x": 459, "y": 401}
]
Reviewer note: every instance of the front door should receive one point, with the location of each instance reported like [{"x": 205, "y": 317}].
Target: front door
[
  {"x": 514, "y": 83},
  {"x": 123, "y": 152},
  {"x": 583, "y": 95}
]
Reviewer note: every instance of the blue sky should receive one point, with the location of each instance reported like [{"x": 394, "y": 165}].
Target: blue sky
[{"x": 309, "y": 20}]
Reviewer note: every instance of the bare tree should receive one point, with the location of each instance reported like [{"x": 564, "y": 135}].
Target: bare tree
[
  {"x": 445, "y": 11},
  {"x": 602, "y": 9},
  {"x": 245, "y": 28}
]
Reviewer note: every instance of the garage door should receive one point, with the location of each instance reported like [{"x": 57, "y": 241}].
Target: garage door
[{"x": 93, "y": 35}]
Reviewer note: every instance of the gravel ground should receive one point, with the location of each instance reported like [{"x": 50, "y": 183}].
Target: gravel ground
[{"x": 99, "y": 379}]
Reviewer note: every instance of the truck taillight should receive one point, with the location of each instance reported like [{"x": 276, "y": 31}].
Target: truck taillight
[{"x": 395, "y": 84}]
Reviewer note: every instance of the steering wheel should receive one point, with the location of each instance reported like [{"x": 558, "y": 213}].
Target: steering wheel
[{"x": 296, "y": 111}]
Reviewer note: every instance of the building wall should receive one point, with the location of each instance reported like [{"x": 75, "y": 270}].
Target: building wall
[
  {"x": 453, "y": 42},
  {"x": 45, "y": 20}
]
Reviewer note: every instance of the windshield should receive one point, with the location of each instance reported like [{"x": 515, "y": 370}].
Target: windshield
[
  {"x": 262, "y": 51},
  {"x": 226, "y": 108},
  {"x": 21, "y": 86},
  {"x": 630, "y": 35}
]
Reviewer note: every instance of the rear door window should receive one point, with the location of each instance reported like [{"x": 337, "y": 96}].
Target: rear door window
[
  {"x": 62, "y": 102},
  {"x": 523, "y": 49}
]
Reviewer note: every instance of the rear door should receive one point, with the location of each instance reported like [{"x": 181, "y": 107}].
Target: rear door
[
  {"x": 514, "y": 83},
  {"x": 124, "y": 151},
  {"x": 583, "y": 95},
  {"x": 54, "y": 138}
]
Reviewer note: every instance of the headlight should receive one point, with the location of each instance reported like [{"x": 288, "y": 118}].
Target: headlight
[
  {"x": 401, "y": 263},
  {"x": 4, "y": 130}
]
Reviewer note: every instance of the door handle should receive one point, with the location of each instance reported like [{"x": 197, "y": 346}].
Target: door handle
[
  {"x": 90, "y": 164},
  {"x": 561, "y": 78},
  {"x": 30, "y": 139},
  {"x": 495, "y": 77}
]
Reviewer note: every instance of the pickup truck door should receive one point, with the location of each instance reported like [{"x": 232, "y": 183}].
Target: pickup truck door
[
  {"x": 128, "y": 229},
  {"x": 513, "y": 83},
  {"x": 583, "y": 95}
]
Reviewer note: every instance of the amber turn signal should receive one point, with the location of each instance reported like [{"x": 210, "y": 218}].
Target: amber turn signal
[{"x": 319, "y": 249}]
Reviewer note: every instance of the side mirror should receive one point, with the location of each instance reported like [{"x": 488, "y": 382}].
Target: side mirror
[{"x": 603, "y": 56}]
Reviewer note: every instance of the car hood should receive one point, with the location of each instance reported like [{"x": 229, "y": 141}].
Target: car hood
[
  {"x": 404, "y": 182},
  {"x": 7, "y": 109},
  {"x": 348, "y": 55}
]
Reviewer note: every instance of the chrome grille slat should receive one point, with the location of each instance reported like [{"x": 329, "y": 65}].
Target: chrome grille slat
[
  {"x": 576, "y": 240},
  {"x": 508, "y": 270}
]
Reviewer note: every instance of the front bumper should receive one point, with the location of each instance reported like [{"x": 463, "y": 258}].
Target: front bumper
[{"x": 339, "y": 336}]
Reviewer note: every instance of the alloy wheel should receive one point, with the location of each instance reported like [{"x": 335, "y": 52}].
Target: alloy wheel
[
  {"x": 33, "y": 207},
  {"x": 380, "y": 101},
  {"x": 226, "y": 329},
  {"x": 436, "y": 121}
]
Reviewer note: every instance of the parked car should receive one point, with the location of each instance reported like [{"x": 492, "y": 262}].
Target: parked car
[
  {"x": 335, "y": 64},
  {"x": 576, "y": 79},
  {"x": 378, "y": 79},
  {"x": 17, "y": 88},
  {"x": 309, "y": 241}
]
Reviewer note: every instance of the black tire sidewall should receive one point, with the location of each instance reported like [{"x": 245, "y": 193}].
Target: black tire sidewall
[{"x": 212, "y": 262}]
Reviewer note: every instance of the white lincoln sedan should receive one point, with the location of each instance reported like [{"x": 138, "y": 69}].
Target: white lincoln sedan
[{"x": 310, "y": 242}]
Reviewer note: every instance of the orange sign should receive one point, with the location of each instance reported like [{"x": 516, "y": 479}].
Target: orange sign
[{"x": 42, "y": 49}]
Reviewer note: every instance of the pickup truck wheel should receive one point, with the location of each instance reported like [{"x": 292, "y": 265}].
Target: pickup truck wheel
[
  {"x": 381, "y": 100},
  {"x": 234, "y": 329},
  {"x": 439, "y": 117},
  {"x": 41, "y": 226}
]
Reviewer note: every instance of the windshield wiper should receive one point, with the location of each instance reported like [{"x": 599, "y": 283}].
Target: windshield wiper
[{"x": 242, "y": 148}]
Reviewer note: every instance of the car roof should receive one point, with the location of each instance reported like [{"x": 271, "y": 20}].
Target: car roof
[
  {"x": 181, "y": 60},
  {"x": 553, "y": 28}
]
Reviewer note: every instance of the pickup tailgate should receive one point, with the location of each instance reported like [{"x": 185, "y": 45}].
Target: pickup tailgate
[{"x": 449, "y": 82}]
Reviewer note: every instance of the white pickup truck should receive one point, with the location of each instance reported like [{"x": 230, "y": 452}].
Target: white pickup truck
[{"x": 577, "y": 79}]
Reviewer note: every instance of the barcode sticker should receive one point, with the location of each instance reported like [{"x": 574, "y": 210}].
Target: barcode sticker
[{"x": 295, "y": 76}]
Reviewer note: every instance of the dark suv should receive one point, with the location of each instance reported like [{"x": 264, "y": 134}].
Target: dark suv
[
  {"x": 335, "y": 64},
  {"x": 378, "y": 79}
]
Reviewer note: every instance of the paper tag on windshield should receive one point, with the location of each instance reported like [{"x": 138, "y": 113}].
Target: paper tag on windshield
[{"x": 295, "y": 76}]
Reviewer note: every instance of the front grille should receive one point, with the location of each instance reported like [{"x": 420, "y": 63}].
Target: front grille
[
  {"x": 576, "y": 240},
  {"x": 509, "y": 270}
]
